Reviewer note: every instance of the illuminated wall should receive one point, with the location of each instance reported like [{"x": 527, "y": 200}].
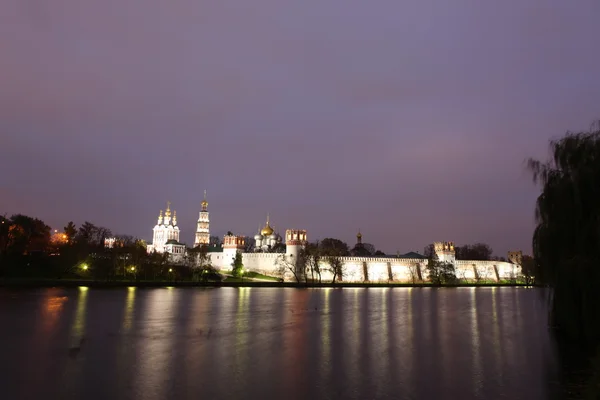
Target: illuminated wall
[{"x": 378, "y": 268}]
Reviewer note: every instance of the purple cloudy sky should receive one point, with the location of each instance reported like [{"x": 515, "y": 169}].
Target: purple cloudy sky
[{"x": 407, "y": 119}]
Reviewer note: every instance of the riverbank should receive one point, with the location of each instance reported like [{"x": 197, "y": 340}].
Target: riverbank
[{"x": 43, "y": 283}]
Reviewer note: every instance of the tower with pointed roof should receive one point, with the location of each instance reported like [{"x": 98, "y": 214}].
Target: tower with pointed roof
[{"x": 203, "y": 226}]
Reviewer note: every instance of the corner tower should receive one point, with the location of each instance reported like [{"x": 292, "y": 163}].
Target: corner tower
[
  {"x": 202, "y": 229},
  {"x": 295, "y": 239},
  {"x": 445, "y": 251},
  {"x": 232, "y": 244}
]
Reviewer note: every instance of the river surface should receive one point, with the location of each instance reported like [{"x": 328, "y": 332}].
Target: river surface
[{"x": 276, "y": 343}]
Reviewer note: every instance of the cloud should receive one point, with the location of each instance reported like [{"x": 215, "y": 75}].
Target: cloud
[{"x": 409, "y": 120}]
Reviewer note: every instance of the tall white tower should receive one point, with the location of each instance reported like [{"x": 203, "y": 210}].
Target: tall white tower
[{"x": 202, "y": 230}]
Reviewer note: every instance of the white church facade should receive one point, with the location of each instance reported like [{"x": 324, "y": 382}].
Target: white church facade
[
  {"x": 273, "y": 254},
  {"x": 165, "y": 238}
]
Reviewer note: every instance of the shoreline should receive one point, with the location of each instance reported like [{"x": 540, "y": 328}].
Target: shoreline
[{"x": 46, "y": 283}]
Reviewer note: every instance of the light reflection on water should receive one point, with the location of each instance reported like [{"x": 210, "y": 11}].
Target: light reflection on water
[
  {"x": 353, "y": 343},
  {"x": 476, "y": 341},
  {"x": 129, "y": 309}
]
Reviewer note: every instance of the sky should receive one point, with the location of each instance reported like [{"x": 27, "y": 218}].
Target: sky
[{"x": 409, "y": 120}]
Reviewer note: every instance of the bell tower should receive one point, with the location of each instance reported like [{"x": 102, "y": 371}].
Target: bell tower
[{"x": 202, "y": 229}]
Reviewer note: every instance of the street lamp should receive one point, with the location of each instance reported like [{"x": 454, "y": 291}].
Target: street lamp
[{"x": 84, "y": 267}]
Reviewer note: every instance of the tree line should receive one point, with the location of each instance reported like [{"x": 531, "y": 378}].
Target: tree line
[{"x": 29, "y": 249}]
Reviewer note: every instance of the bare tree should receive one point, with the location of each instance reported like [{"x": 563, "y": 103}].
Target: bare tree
[
  {"x": 413, "y": 269},
  {"x": 483, "y": 273},
  {"x": 336, "y": 267},
  {"x": 286, "y": 264},
  {"x": 249, "y": 244},
  {"x": 310, "y": 257},
  {"x": 215, "y": 241},
  {"x": 461, "y": 274}
]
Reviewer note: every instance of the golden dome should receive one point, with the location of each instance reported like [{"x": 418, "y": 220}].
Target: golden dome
[{"x": 267, "y": 230}]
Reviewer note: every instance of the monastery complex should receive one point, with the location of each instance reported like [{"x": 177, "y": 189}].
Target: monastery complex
[{"x": 272, "y": 250}]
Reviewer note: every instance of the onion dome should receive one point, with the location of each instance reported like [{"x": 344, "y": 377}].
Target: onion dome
[{"x": 267, "y": 230}]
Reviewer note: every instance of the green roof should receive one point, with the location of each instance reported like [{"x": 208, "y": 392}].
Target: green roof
[
  {"x": 215, "y": 249},
  {"x": 411, "y": 254}
]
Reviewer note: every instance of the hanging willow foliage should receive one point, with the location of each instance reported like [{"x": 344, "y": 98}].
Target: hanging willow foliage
[{"x": 566, "y": 241}]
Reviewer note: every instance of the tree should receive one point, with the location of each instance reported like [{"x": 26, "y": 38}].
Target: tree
[
  {"x": 198, "y": 260},
  {"x": 70, "y": 231},
  {"x": 483, "y": 273},
  {"x": 215, "y": 241},
  {"x": 370, "y": 248},
  {"x": 311, "y": 258},
  {"x": 429, "y": 251},
  {"x": 363, "y": 250},
  {"x": 477, "y": 251},
  {"x": 528, "y": 269},
  {"x": 379, "y": 253},
  {"x": 4, "y": 228},
  {"x": 567, "y": 237},
  {"x": 249, "y": 243},
  {"x": 336, "y": 267},
  {"x": 335, "y": 247},
  {"x": 287, "y": 264},
  {"x": 26, "y": 235},
  {"x": 278, "y": 248},
  {"x": 237, "y": 266},
  {"x": 440, "y": 273},
  {"x": 331, "y": 251},
  {"x": 91, "y": 235},
  {"x": 413, "y": 269}
]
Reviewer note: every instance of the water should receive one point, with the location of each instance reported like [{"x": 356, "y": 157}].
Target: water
[{"x": 272, "y": 343}]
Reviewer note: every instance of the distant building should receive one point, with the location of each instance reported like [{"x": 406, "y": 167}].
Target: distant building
[
  {"x": 356, "y": 268},
  {"x": 165, "y": 238},
  {"x": 112, "y": 242},
  {"x": 203, "y": 226},
  {"x": 266, "y": 239}
]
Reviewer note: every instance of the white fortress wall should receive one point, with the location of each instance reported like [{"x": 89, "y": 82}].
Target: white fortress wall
[
  {"x": 485, "y": 270},
  {"x": 404, "y": 268},
  {"x": 217, "y": 259},
  {"x": 378, "y": 269},
  {"x": 263, "y": 263}
]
